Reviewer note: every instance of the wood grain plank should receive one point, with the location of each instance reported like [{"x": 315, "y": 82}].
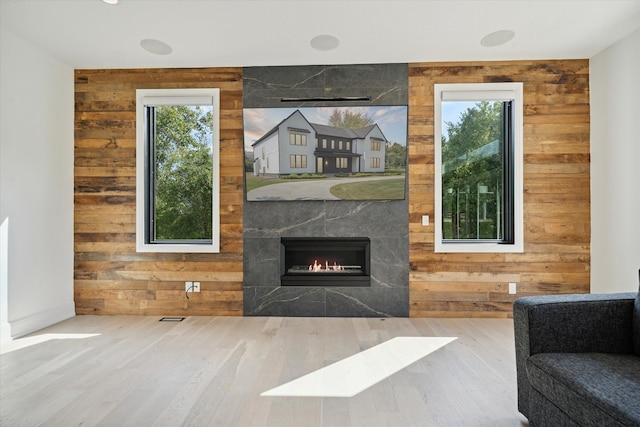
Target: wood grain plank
[
  {"x": 556, "y": 258},
  {"x": 110, "y": 277}
]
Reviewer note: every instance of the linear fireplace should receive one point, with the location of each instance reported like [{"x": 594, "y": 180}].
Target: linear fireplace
[{"x": 325, "y": 261}]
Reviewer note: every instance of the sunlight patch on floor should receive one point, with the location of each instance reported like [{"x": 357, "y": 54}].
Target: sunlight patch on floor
[
  {"x": 356, "y": 373},
  {"x": 20, "y": 343}
]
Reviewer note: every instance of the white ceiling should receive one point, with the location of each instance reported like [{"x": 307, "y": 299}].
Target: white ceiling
[{"x": 203, "y": 33}]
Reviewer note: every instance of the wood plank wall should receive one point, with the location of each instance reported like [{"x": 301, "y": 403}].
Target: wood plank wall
[
  {"x": 110, "y": 277},
  {"x": 556, "y": 193}
]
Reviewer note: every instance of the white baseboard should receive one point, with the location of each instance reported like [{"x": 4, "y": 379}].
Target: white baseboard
[{"x": 35, "y": 322}]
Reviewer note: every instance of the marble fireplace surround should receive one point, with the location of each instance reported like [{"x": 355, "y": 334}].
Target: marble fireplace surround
[{"x": 385, "y": 223}]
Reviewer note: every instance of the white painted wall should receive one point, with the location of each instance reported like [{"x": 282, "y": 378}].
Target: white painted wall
[
  {"x": 298, "y": 121},
  {"x": 36, "y": 188},
  {"x": 270, "y": 162},
  {"x": 375, "y": 133},
  {"x": 615, "y": 167}
]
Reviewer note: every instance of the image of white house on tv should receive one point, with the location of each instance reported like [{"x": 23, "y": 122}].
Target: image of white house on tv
[{"x": 296, "y": 146}]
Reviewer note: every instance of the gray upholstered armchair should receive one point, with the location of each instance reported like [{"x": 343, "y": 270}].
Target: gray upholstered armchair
[{"x": 575, "y": 359}]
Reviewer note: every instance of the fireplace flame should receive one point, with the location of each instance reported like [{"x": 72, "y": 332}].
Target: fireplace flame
[{"x": 317, "y": 267}]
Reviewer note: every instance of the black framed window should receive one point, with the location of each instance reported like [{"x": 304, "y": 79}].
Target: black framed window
[{"x": 479, "y": 168}]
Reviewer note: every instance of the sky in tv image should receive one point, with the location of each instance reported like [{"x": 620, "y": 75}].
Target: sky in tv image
[{"x": 392, "y": 120}]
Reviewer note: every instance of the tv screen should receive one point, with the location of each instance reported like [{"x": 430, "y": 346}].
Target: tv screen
[{"x": 325, "y": 153}]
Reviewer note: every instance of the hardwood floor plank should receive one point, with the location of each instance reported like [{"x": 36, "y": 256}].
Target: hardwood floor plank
[{"x": 211, "y": 371}]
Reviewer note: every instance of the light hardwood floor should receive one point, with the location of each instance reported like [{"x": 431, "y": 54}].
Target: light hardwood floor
[{"x": 210, "y": 371}]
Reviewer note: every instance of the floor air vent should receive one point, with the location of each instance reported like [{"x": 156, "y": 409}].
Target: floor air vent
[{"x": 172, "y": 319}]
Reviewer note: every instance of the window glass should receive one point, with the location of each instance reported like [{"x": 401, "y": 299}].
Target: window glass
[
  {"x": 297, "y": 161},
  {"x": 297, "y": 138},
  {"x": 182, "y": 169},
  {"x": 472, "y": 171}
]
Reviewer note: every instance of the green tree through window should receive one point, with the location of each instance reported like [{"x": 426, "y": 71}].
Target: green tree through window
[
  {"x": 472, "y": 172},
  {"x": 181, "y": 191}
]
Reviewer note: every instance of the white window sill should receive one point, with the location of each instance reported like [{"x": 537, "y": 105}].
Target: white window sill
[
  {"x": 178, "y": 248},
  {"x": 478, "y": 248}
]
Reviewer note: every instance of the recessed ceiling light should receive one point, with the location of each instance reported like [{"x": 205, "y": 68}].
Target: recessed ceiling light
[
  {"x": 324, "y": 42},
  {"x": 110, "y": 1},
  {"x": 156, "y": 46},
  {"x": 497, "y": 38}
]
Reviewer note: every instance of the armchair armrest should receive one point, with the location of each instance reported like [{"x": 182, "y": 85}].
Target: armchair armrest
[{"x": 575, "y": 323}]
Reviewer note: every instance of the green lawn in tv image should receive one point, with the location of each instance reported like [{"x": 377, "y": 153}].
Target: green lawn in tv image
[
  {"x": 385, "y": 189},
  {"x": 316, "y": 187},
  {"x": 325, "y": 153}
]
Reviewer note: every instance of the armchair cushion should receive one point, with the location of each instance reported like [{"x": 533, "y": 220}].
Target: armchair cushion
[{"x": 593, "y": 388}]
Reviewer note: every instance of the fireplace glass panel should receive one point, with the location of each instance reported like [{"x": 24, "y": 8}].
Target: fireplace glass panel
[{"x": 325, "y": 261}]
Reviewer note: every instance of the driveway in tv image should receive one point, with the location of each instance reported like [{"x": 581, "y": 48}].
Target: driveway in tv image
[{"x": 308, "y": 189}]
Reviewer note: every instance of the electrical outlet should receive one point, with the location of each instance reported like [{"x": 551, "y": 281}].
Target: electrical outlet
[
  {"x": 512, "y": 288},
  {"x": 188, "y": 286},
  {"x": 196, "y": 286}
]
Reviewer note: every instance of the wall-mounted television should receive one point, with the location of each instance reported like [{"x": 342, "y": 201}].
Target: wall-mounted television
[{"x": 325, "y": 153}]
